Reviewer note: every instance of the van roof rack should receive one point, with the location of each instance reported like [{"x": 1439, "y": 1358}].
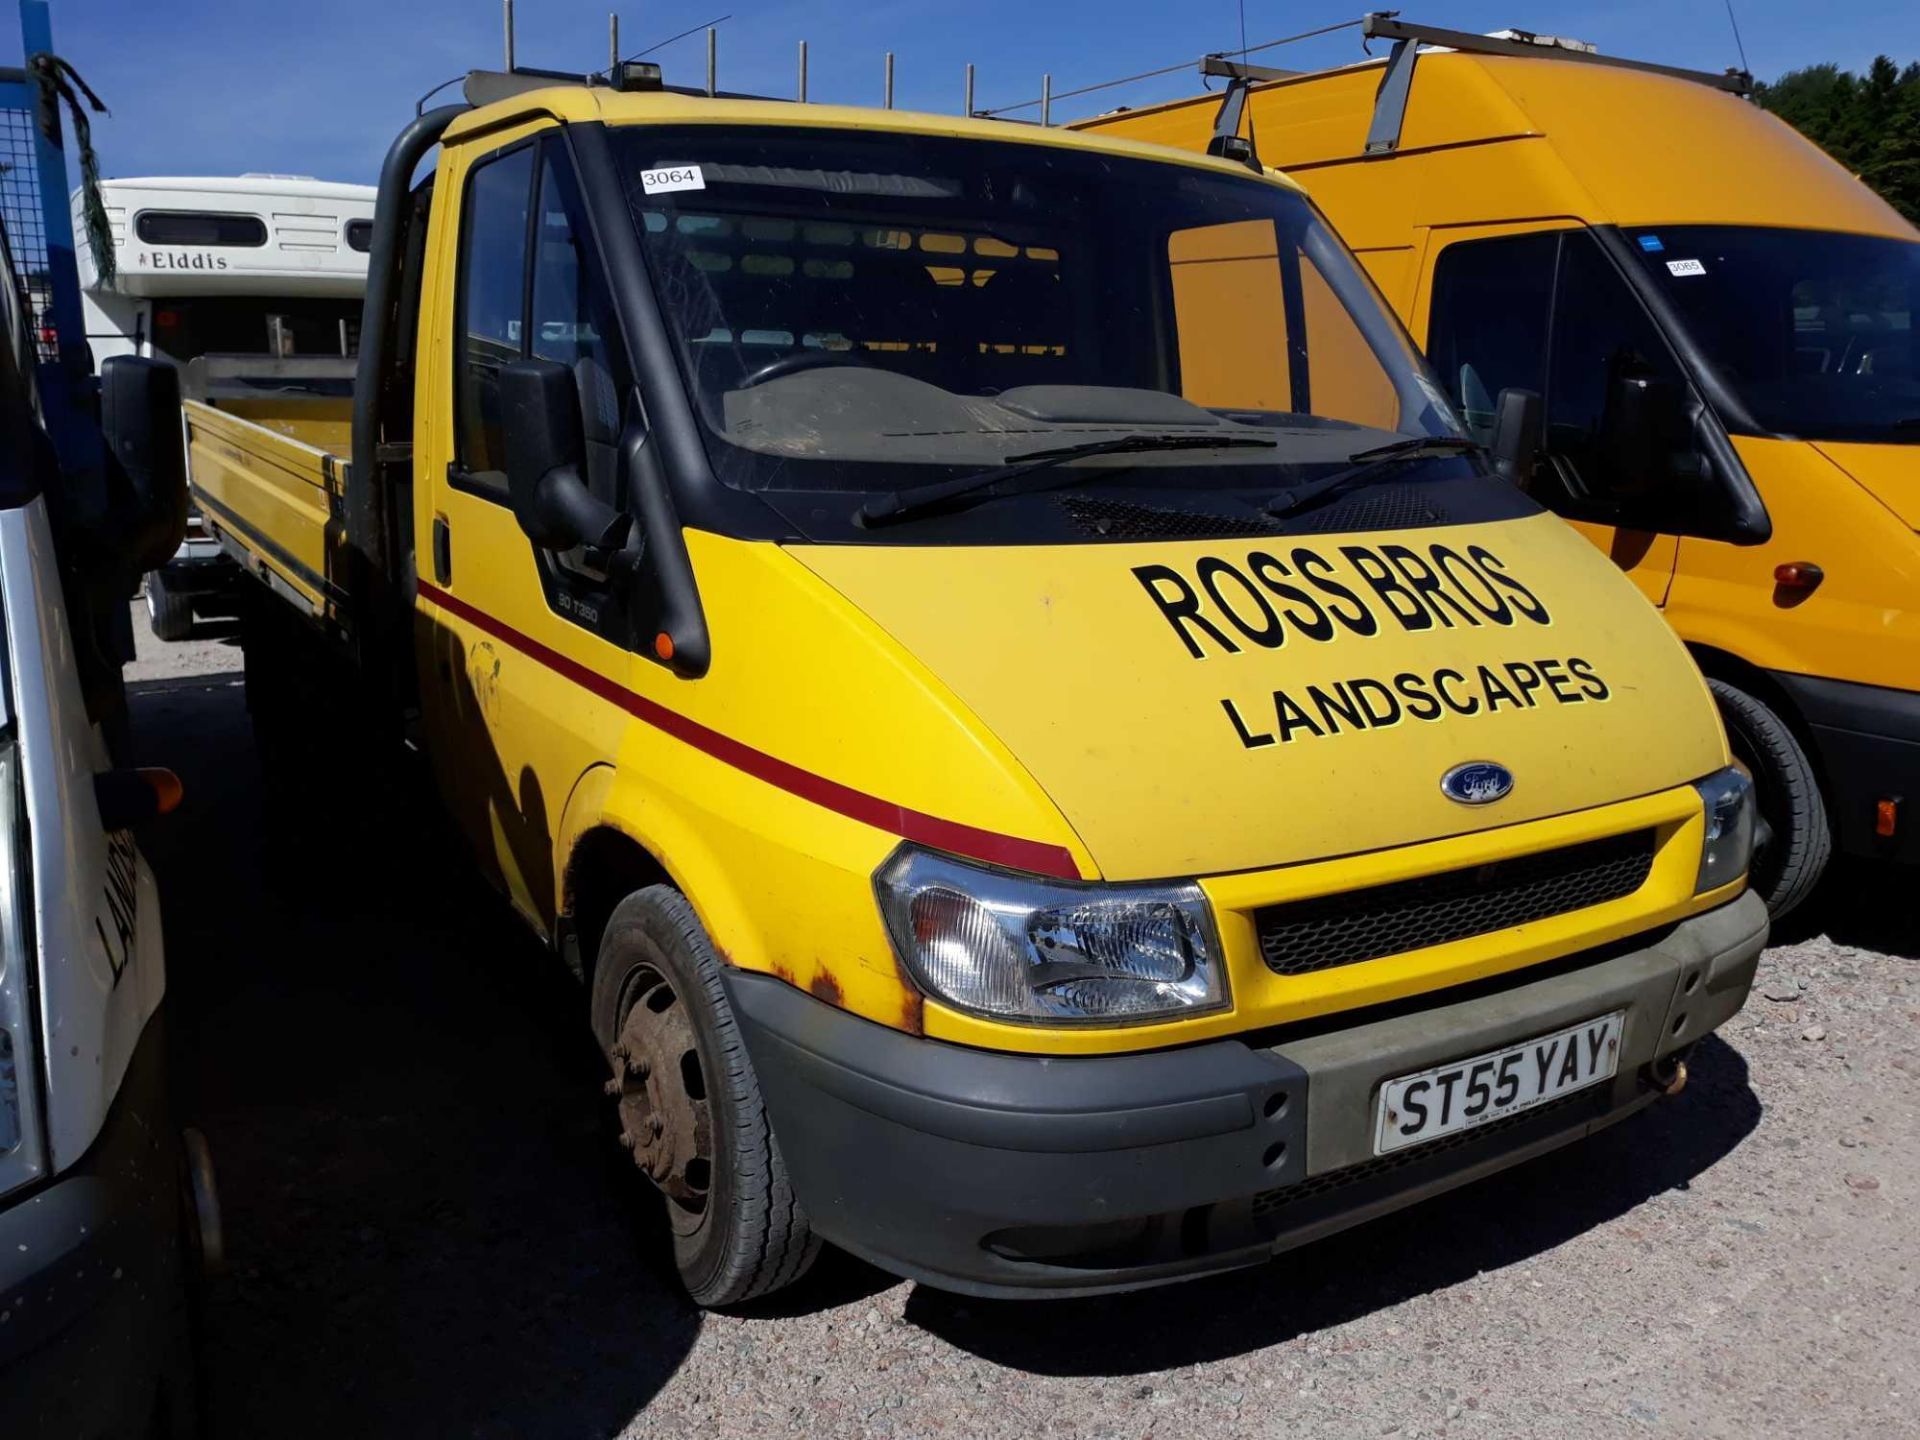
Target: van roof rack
[{"x": 1390, "y": 105}]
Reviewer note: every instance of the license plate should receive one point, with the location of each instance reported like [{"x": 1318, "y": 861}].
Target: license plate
[{"x": 1467, "y": 1093}]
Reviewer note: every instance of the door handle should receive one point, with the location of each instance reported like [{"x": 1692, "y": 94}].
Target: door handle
[{"x": 442, "y": 551}]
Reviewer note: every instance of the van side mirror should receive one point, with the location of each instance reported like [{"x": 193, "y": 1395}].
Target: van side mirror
[
  {"x": 1671, "y": 468},
  {"x": 1517, "y": 436},
  {"x": 1641, "y": 432},
  {"x": 146, "y": 510},
  {"x": 546, "y": 451}
]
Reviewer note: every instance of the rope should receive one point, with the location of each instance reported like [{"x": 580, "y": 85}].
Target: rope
[
  {"x": 1171, "y": 69},
  {"x": 59, "y": 81}
]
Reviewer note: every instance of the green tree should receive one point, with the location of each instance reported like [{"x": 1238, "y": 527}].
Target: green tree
[{"x": 1869, "y": 123}]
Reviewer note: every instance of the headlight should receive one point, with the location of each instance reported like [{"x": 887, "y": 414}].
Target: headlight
[
  {"x": 1727, "y": 797},
  {"x": 1020, "y": 948},
  {"x": 19, "y": 1127}
]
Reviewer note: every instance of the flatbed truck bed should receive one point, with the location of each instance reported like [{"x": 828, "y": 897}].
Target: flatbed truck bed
[{"x": 269, "y": 473}]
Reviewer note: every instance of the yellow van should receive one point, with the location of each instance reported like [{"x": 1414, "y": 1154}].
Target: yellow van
[
  {"x": 1725, "y": 326},
  {"x": 1028, "y": 802}
]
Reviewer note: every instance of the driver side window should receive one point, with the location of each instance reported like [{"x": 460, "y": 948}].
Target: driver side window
[
  {"x": 1548, "y": 312},
  {"x": 490, "y": 300},
  {"x": 1603, "y": 341},
  {"x": 530, "y": 284},
  {"x": 571, "y": 321}
]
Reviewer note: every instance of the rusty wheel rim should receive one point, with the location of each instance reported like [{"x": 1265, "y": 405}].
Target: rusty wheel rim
[{"x": 665, "y": 1120}]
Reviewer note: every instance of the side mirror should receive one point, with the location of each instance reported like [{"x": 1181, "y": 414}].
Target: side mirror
[
  {"x": 540, "y": 414},
  {"x": 146, "y": 512},
  {"x": 1641, "y": 431},
  {"x": 1517, "y": 436}
]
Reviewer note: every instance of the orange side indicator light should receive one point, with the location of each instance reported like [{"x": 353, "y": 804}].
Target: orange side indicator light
[
  {"x": 1798, "y": 575},
  {"x": 1886, "y": 818},
  {"x": 133, "y": 797},
  {"x": 167, "y": 789},
  {"x": 663, "y": 645}
]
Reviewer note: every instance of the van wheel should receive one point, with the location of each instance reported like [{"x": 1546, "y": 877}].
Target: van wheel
[
  {"x": 170, "y": 615},
  {"x": 690, "y": 1108},
  {"x": 1786, "y": 868}
]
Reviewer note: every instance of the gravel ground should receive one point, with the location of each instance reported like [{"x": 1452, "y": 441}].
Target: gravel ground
[{"x": 431, "y": 1232}]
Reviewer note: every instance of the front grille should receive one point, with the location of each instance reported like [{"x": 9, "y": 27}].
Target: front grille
[
  {"x": 1268, "y": 1205},
  {"x": 1302, "y": 936}
]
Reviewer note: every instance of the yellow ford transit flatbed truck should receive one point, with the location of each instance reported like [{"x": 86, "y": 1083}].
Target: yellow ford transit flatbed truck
[
  {"x": 1723, "y": 323},
  {"x": 1050, "y": 783}
]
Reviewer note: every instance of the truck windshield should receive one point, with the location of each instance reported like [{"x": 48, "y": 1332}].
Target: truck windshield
[
  {"x": 866, "y": 312},
  {"x": 1816, "y": 332}
]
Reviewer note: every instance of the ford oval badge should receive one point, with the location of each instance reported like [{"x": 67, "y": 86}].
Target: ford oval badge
[{"x": 1478, "y": 782}]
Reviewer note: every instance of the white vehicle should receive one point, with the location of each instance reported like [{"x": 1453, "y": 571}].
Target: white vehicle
[
  {"x": 258, "y": 265},
  {"x": 97, "y": 1230}
]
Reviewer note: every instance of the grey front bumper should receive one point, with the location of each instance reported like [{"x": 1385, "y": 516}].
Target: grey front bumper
[{"x": 1000, "y": 1174}]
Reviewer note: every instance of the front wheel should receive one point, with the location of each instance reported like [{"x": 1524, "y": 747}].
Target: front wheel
[
  {"x": 1789, "y": 864},
  {"x": 690, "y": 1108}
]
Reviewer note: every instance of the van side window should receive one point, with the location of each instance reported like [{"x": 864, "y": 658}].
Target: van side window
[
  {"x": 1249, "y": 309},
  {"x": 490, "y": 301},
  {"x": 572, "y": 320},
  {"x": 1488, "y": 326},
  {"x": 1603, "y": 336},
  {"x": 1548, "y": 312}
]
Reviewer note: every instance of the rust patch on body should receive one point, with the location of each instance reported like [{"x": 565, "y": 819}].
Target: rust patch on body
[
  {"x": 824, "y": 987},
  {"x": 913, "y": 1005}
]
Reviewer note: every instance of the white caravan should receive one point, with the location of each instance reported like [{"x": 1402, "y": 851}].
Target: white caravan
[{"x": 258, "y": 265}]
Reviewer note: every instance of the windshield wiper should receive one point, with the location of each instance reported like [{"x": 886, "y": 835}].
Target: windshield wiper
[
  {"x": 905, "y": 504},
  {"x": 1364, "y": 465}
]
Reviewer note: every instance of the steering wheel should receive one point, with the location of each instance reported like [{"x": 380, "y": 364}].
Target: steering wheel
[{"x": 801, "y": 360}]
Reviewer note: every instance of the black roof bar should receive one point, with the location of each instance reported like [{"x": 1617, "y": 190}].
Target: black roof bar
[
  {"x": 1227, "y": 142},
  {"x": 1390, "y": 105},
  {"x": 1221, "y": 67},
  {"x": 1382, "y": 25}
]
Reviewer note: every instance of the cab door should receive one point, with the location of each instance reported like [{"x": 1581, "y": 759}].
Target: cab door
[
  {"x": 509, "y": 630},
  {"x": 1545, "y": 310}
]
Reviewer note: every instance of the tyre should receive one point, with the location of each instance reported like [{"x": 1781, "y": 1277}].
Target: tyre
[
  {"x": 170, "y": 615},
  {"x": 1789, "y": 863},
  {"x": 690, "y": 1108}
]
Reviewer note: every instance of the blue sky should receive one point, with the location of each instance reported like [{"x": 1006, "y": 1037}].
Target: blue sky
[{"x": 222, "y": 86}]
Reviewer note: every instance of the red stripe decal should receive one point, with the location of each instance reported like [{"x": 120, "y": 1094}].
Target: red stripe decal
[{"x": 1016, "y": 854}]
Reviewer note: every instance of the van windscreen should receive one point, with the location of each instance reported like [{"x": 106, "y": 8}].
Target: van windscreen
[
  {"x": 847, "y": 306},
  {"x": 1816, "y": 332}
]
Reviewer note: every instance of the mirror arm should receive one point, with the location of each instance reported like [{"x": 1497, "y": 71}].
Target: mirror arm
[
  {"x": 1748, "y": 522},
  {"x": 1517, "y": 436},
  {"x": 671, "y": 606},
  {"x": 567, "y": 513}
]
